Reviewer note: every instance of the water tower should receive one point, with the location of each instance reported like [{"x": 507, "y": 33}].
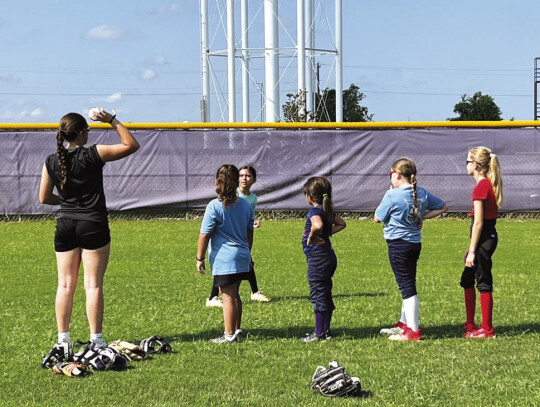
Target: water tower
[{"x": 219, "y": 42}]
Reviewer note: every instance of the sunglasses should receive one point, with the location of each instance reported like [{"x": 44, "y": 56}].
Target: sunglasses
[
  {"x": 469, "y": 161},
  {"x": 393, "y": 172}
]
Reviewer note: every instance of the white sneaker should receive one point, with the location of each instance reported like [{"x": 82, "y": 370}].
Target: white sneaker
[
  {"x": 259, "y": 296},
  {"x": 214, "y": 302},
  {"x": 397, "y": 329},
  {"x": 238, "y": 334}
]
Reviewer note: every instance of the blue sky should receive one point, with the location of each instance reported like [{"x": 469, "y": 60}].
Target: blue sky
[{"x": 412, "y": 59}]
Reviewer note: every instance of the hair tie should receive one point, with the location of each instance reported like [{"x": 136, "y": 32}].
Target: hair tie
[
  {"x": 324, "y": 195},
  {"x": 491, "y": 155}
]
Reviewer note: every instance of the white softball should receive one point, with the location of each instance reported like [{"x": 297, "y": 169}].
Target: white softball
[{"x": 93, "y": 112}]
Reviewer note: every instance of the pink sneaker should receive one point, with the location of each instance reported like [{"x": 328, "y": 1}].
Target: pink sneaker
[
  {"x": 481, "y": 333},
  {"x": 407, "y": 335}
]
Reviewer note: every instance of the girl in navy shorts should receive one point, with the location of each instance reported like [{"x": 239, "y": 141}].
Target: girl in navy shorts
[
  {"x": 483, "y": 165},
  {"x": 402, "y": 210},
  {"x": 82, "y": 229},
  {"x": 321, "y": 223}
]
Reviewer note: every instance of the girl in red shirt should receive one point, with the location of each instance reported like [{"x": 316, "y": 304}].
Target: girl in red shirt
[{"x": 487, "y": 197}]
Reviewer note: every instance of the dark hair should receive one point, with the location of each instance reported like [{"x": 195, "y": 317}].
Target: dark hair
[
  {"x": 319, "y": 190},
  {"x": 226, "y": 184},
  {"x": 407, "y": 168},
  {"x": 68, "y": 129},
  {"x": 251, "y": 170}
]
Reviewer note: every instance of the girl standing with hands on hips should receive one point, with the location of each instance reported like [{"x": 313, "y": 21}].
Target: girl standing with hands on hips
[
  {"x": 402, "y": 210},
  {"x": 321, "y": 224},
  {"x": 82, "y": 228},
  {"x": 228, "y": 227},
  {"x": 487, "y": 197}
]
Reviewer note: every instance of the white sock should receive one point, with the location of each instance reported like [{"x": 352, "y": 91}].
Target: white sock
[
  {"x": 403, "y": 316},
  {"x": 64, "y": 337},
  {"x": 411, "y": 308},
  {"x": 98, "y": 339},
  {"x": 229, "y": 337}
]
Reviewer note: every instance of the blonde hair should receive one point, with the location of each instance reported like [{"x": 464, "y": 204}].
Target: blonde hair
[
  {"x": 490, "y": 168},
  {"x": 407, "y": 168}
]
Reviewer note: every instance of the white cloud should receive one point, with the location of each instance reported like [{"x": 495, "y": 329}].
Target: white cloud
[
  {"x": 105, "y": 32},
  {"x": 115, "y": 97},
  {"x": 9, "y": 115},
  {"x": 159, "y": 60},
  {"x": 36, "y": 113},
  {"x": 148, "y": 74}
]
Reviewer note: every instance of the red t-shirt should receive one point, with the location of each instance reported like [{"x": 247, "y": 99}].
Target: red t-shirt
[{"x": 483, "y": 191}]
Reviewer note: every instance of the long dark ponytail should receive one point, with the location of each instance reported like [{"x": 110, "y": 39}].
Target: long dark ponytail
[
  {"x": 68, "y": 129},
  {"x": 319, "y": 190}
]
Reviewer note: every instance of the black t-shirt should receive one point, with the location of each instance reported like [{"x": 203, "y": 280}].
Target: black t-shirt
[{"x": 83, "y": 197}]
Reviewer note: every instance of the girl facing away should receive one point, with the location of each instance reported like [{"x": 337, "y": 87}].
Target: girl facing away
[
  {"x": 248, "y": 176},
  {"x": 228, "y": 227},
  {"x": 321, "y": 224},
  {"x": 82, "y": 229},
  {"x": 487, "y": 197},
  {"x": 402, "y": 210}
]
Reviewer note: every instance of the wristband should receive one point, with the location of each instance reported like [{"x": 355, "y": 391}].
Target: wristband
[
  {"x": 112, "y": 119},
  {"x": 202, "y": 259}
]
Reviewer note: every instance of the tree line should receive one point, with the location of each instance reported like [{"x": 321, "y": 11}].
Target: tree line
[{"x": 477, "y": 107}]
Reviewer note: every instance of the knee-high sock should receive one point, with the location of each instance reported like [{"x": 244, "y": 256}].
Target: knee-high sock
[
  {"x": 470, "y": 304},
  {"x": 327, "y": 321},
  {"x": 319, "y": 322},
  {"x": 486, "y": 304},
  {"x": 411, "y": 312},
  {"x": 403, "y": 317}
]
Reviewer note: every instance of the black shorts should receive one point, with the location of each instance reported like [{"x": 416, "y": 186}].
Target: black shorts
[
  {"x": 228, "y": 279},
  {"x": 71, "y": 234}
]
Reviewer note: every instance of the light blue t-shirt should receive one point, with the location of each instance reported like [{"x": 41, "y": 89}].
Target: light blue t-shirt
[
  {"x": 396, "y": 210},
  {"x": 229, "y": 247}
]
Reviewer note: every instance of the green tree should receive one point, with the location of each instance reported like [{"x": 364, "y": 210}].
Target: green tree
[
  {"x": 477, "y": 107},
  {"x": 294, "y": 110},
  {"x": 352, "y": 110}
]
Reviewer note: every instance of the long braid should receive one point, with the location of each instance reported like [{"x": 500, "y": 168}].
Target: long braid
[
  {"x": 407, "y": 168},
  {"x": 415, "y": 195},
  {"x": 61, "y": 153}
]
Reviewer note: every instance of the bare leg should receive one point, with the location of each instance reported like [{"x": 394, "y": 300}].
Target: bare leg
[
  {"x": 238, "y": 324},
  {"x": 229, "y": 294},
  {"x": 95, "y": 264},
  {"x": 68, "y": 271}
]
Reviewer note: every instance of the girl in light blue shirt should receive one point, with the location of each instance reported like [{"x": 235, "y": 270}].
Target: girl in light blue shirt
[
  {"x": 402, "y": 210},
  {"x": 228, "y": 227}
]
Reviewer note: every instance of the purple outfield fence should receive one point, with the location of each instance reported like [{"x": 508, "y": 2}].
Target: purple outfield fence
[{"x": 175, "y": 169}]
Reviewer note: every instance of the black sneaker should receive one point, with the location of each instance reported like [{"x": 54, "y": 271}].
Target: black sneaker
[{"x": 60, "y": 352}]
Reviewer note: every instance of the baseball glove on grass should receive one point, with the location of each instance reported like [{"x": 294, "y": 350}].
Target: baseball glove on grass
[
  {"x": 128, "y": 350},
  {"x": 334, "y": 381},
  {"x": 70, "y": 369}
]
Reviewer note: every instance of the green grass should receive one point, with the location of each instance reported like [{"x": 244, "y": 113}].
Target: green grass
[{"x": 152, "y": 287}]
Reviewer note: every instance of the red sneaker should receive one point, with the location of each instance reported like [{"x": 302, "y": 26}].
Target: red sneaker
[
  {"x": 469, "y": 328},
  {"x": 407, "y": 335},
  {"x": 481, "y": 333}
]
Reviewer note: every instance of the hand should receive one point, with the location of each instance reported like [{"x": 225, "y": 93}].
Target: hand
[
  {"x": 420, "y": 224},
  {"x": 256, "y": 224},
  {"x": 100, "y": 114},
  {"x": 315, "y": 240},
  {"x": 469, "y": 259},
  {"x": 201, "y": 266}
]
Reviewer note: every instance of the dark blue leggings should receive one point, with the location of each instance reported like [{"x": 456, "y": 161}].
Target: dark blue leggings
[
  {"x": 403, "y": 257},
  {"x": 320, "y": 270}
]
